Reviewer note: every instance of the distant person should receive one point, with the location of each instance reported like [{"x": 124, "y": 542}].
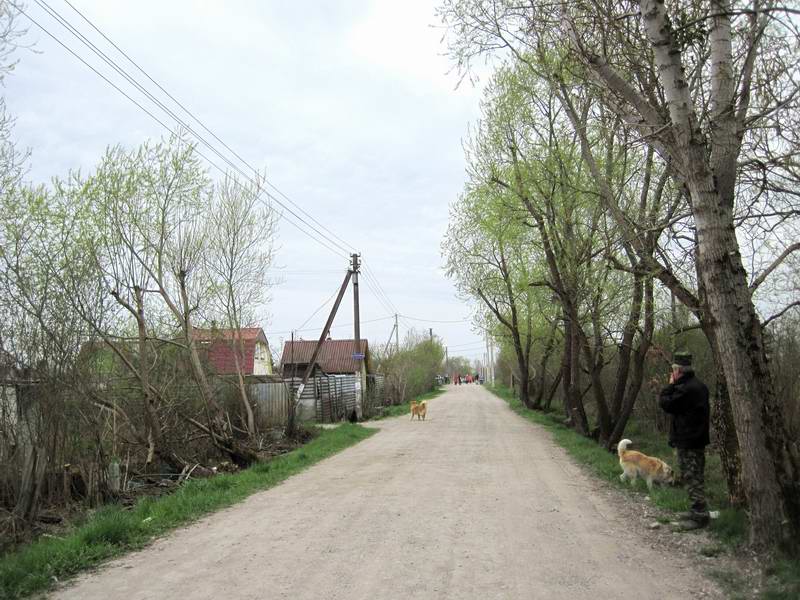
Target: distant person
[{"x": 686, "y": 399}]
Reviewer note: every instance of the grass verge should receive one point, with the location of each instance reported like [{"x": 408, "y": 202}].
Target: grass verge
[
  {"x": 606, "y": 464},
  {"x": 398, "y": 410},
  {"x": 112, "y": 530},
  {"x": 730, "y": 529}
]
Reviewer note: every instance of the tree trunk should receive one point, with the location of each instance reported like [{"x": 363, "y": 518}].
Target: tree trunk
[
  {"x": 33, "y": 472},
  {"x": 770, "y": 460},
  {"x": 218, "y": 428},
  {"x": 154, "y": 436},
  {"x": 595, "y": 366},
  {"x": 576, "y": 410},
  {"x": 548, "y": 400},
  {"x": 249, "y": 417},
  {"x": 626, "y": 348},
  {"x": 566, "y": 370},
  {"x": 541, "y": 376},
  {"x": 637, "y": 375}
]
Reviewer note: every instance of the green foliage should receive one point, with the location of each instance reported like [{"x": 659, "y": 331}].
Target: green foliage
[
  {"x": 114, "y": 530},
  {"x": 412, "y": 371}
]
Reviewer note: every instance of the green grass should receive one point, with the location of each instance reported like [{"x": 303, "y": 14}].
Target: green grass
[
  {"x": 783, "y": 580},
  {"x": 112, "y": 530},
  {"x": 398, "y": 410}
]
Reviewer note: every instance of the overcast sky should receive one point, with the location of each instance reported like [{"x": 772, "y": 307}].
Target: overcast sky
[{"x": 348, "y": 105}]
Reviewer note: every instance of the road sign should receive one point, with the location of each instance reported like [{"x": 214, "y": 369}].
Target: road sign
[{"x": 358, "y": 356}]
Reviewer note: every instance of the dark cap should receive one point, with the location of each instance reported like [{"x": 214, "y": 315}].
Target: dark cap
[{"x": 682, "y": 358}]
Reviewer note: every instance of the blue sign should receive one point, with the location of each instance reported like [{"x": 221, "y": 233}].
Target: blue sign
[{"x": 358, "y": 356}]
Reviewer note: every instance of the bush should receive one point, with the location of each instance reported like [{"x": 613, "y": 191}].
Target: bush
[{"x": 411, "y": 371}]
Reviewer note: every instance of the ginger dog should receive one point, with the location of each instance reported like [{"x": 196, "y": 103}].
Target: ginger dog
[
  {"x": 419, "y": 409},
  {"x": 635, "y": 464}
]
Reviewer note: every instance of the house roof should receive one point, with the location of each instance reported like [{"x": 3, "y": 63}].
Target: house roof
[
  {"x": 247, "y": 333},
  {"x": 335, "y": 356}
]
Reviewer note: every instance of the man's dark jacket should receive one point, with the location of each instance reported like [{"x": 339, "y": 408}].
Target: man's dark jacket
[{"x": 687, "y": 401}]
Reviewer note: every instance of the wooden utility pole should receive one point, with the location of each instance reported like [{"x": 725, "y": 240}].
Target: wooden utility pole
[
  {"x": 396, "y": 334},
  {"x": 389, "y": 342},
  {"x": 356, "y": 316},
  {"x": 328, "y": 323}
]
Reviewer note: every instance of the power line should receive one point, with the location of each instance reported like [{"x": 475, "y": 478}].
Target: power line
[
  {"x": 192, "y": 115},
  {"x": 466, "y": 346},
  {"x": 372, "y": 275},
  {"x": 377, "y": 296},
  {"x": 381, "y": 293},
  {"x": 332, "y": 326},
  {"x": 326, "y": 238},
  {"x": 111, "y": 63},
  {"x": 378, "y": 289},
  {"x": 319, "y": 308},
  {"x": 433, "y": 320}
]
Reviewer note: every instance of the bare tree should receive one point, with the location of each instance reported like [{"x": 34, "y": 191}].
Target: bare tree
[{"x": 240, "y": 236}]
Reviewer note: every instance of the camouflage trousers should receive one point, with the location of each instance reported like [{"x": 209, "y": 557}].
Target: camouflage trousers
[{"x": 692, "y": 463}]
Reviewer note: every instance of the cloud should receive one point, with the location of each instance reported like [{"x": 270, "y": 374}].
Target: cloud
[{"x": 347, "y": 104}]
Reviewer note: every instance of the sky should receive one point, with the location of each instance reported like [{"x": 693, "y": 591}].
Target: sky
[{"x": 350, "y": 106}]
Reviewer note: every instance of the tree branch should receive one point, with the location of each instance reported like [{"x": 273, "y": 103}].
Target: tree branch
[{"x": 775, "y": 264}]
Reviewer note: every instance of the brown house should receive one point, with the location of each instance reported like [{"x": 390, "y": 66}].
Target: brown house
[{"x": 336, "y": 357}]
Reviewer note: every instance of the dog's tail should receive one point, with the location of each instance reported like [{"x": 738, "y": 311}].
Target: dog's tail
[{"x": 622, "y": 446}]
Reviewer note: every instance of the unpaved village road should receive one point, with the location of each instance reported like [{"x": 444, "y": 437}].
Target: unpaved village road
[{"x": 475, "y": 502}]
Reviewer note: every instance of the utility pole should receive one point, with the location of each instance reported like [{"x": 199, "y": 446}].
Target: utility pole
[
  {"x": 396, "y": 334},
  {"x": 325, "y": 330},
  {"x": 430, "y": 331},
  {"x": 356, "y": 316},
  {"x": 389, "y": 343}
]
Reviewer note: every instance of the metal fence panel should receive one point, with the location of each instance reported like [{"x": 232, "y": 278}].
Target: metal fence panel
[{"x": 271, "y": 400}]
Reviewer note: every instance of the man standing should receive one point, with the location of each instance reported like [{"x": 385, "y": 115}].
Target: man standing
[{"x": 686, "y": 399}]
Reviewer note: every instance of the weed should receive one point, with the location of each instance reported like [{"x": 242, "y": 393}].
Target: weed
[
  {"x": 731, "y": 581},
  {"x": 731, "y": 526},
  {"x": 783, "y": 582},
  {"x": 711, "y": 550}
]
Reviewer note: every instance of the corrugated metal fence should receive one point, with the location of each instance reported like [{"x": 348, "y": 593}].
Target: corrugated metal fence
[
  {"x": 271, "y": 400},
  {"x": 325, "y": 399},
  {"x": 375, "y": 396}
]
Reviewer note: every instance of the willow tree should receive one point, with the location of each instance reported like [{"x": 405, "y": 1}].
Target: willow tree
[
  {"x": 711, "y": 87},
  {"x": 526, "y": 148},
  {"x": 489, "y": 259}
]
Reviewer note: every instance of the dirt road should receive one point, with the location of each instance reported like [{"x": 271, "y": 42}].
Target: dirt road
[{"x": 475, "y": 502}]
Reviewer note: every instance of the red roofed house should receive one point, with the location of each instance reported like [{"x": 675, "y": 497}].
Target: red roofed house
[{"x": 218, "y": 345}]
